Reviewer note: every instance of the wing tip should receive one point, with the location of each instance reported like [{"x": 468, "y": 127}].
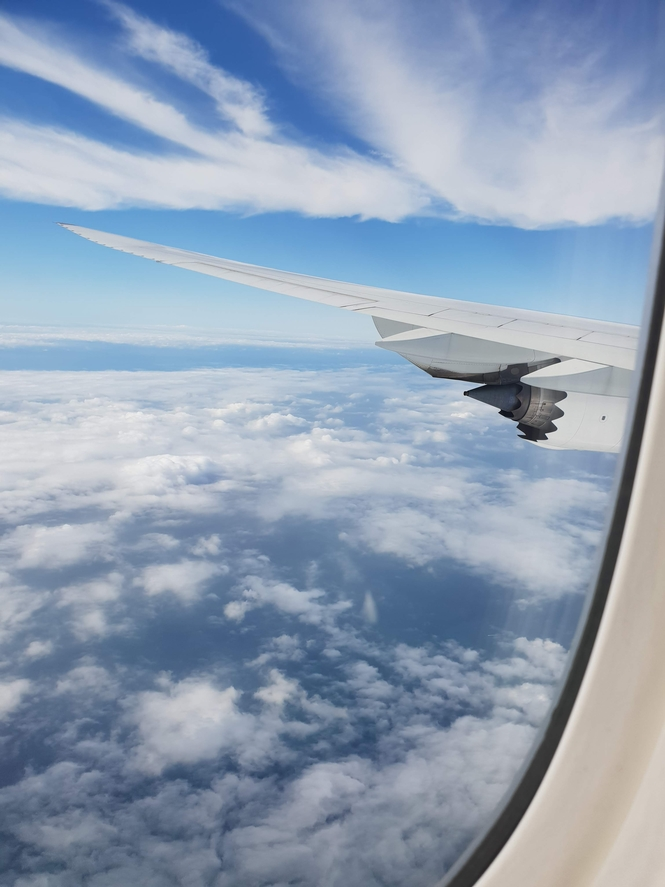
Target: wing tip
[{"x": 86, "y": 233}]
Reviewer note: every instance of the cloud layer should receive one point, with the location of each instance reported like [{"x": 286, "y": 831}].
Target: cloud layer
[
  {"x": 202, "y": 682},
  {"x": 503, "y": 118},
  {"x": 278, "y": 447}
]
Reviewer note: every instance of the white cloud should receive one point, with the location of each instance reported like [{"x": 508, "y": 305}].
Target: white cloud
[
  {"x": 462, "y": 114},
  {"x": 276, "y": 422},
  {"x": 115, "y": 455},
  {"x": 18, "y": 602},
  {"x": 207, "y": 545},
  {"x": 278, "y": 691},
  {"x": 399, "y": 819},
  {"x": 531, "y": 118},
  {"x": 244, "y": 164},
  {"x": 236, "y": 100},
  {"x": 71, "y": 830},
  {"x": 92, "y": 605},
  {"x": 187, "y": 722},
  {"x": 150, "y": 541},
  {"x": 16, "y": 335},
  {"x": 505, "y": 519},
  {"x": 88, "y": 680},
  {"x": 11, "y": 694},
  {"x": 284, "y": 647},
  {"x": 340, "y": 752},
  {"x": 535, "y": 660},
  {"x": 48, "y": 165},
  {"x": 305, "y": 605},
  {"x": 186, "y": 579},
  {"x": 44, "y": 547},
  {"x": 38, "y": 649},
  {"x": 398, "y": 825}
]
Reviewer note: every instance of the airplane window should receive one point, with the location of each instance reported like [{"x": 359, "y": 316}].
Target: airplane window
[{"x": 281, "y": 606}]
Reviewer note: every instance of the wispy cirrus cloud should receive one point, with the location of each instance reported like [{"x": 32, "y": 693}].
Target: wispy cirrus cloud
[
  {"x": 536, "y": 118},
  {"x": 504, "y": 119},
  {"x": 237, "y": 101},
  {"x": 240, "y": 162}
]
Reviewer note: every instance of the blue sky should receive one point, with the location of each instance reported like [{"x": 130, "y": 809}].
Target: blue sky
[{"x": 371, "y": 145}]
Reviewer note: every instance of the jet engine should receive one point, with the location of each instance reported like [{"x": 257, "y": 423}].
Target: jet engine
[
  {"x": 559, "y": 420},
  {"x": 534, "y": 409}
]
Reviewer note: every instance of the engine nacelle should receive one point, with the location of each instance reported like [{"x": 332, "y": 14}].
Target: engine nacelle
[
  {"x": 590, "y": 422},
  {"x": 559, "y": 420},
  {"x": 534, "y": 409}
]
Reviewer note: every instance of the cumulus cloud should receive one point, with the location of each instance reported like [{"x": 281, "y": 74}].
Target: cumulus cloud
[
  {"x": 460, "y": 113},
  {"x": 194, "y": 720},
  {"x": 399, "y": 817},
  {"x": 284, "y": 646},
  {"x": 37, "y": 649},
  {"x": 186, "y": 722},
  {"x": 278, "y": 691},
  {"x": 11, "y": 694},
  {"x": 67, "y": 832},
  {"x": 40, "y": 547},
  {"x": 17, "y": 603},
  {"x": 185, "y": 579},
  {"x": 257, "y": 592},
  {"x": 89, "y": 680},
  {"x": 92, "y": 605},
  {"x": 207, "y": 545}
]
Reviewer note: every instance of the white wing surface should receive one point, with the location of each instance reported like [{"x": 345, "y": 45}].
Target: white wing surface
[{"x": 598, "y": 342}]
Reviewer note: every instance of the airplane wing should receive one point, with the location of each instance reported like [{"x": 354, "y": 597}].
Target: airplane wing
[
  {"x": 563, "y": 357},
  {"x": 601, "y": 342}
]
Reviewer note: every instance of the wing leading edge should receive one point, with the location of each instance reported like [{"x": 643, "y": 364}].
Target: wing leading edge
[{"x": 588, "y": 362}]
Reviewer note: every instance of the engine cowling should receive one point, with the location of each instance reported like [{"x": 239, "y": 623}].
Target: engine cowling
[
  {"x": 534, "y": 409},
  {"x": 559, "y": 420}
]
